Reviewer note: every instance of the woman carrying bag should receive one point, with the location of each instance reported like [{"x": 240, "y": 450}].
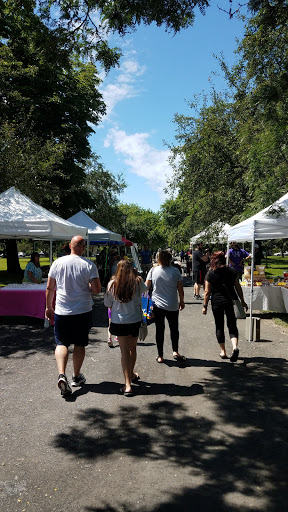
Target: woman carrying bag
[
  {"x": 168, "y": 298},
  {"x": 221, "y": 282},
  {"x": 123, "y": 297}
]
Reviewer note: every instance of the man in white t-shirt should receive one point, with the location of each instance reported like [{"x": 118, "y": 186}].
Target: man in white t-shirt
[{"x": 75, "y": 279}]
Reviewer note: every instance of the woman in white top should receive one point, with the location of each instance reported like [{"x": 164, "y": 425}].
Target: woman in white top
[
  {"x": 167, "y": 285},
  {"x": 123, "y": 297}
]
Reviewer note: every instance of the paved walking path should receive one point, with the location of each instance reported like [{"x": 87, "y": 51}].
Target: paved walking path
[{"x": 208, "y": 435}]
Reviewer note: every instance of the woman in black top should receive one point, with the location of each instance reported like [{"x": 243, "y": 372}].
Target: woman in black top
[{"x": 221, "y": 282}]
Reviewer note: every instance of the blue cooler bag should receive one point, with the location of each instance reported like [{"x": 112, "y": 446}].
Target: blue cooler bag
[{"x": 147, "y": 310}]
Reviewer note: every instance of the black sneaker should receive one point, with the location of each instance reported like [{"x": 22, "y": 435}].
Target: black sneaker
[
  {"x": 64, "y": 385},
  {"x": 77, "y": 381}
]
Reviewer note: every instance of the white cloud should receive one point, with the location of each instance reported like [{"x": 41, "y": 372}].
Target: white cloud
[
  {"x": 125, "y": 85},
  {"x": 141, "y": 158}
]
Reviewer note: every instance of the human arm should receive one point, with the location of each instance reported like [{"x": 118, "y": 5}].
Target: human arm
[
  {"x": 50, "y": 290},
  {"x": 148, "y": 283},
  {"x": 95, "y": 285},
  {"x": 240, "y": 293},
  {"x": 207, "y": 293},
  {"x": 181, "y": 295}
]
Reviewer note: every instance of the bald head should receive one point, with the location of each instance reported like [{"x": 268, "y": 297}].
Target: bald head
[{"x": 77, "y": 245}]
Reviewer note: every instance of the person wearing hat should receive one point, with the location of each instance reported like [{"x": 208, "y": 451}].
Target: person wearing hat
[{"x": 237, "y": 256}]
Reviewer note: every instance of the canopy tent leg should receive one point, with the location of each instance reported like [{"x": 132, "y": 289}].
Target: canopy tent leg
[
  {"x": 106, "y": 260},
  {"x": 50, "y": 252},
  {"x": 252, "y": 286}
]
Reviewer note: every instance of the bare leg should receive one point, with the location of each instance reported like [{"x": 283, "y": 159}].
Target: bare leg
[
  {"x": 109, "y": 335},
  {"x": 133, "y": 356},
  {"x": 78, "y": 358},
  {"x": 223, "y": 349},
  {"x": 197, "y": 289},
  {"x": 234, "y": 342},
  {"x": 128, "y": 358},
  {"x": 61, "y": 356}
]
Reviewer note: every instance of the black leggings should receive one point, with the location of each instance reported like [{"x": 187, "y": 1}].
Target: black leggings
[
  {"x": 172, "y": 318},
  {"x": 218, "y": 312}
]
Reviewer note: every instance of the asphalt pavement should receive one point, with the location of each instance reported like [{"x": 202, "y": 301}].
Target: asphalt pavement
[{"x": 207, "y": 435}]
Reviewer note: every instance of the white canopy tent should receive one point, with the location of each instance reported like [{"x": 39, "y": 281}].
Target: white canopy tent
[
  {"x": 96, "y": 232},
  {"x": 20, "y": 217},
  {"x": 215, "y": 232},
  {"x": 270, "y": 223}
]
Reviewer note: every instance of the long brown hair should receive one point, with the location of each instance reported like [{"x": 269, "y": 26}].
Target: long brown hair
[
  {"x": 124, "y": 282},
  {"x": 217, "y": 260}
]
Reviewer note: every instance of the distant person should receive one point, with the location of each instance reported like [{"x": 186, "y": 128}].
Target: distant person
[
  {"x": 182, "y": 254},
  {"x": 258, "y": 255},
  {"x": 33, "y": 272},
  {"x": 199, "y": 268},
  {"x": 237, "y": 256},
  {"x": 167, "y": 285},
  {"x": 146, "y": 259},
  {"x": 75, "y": 279},
  {"x": 221, "y": 282},
  {"x": 123, "y": 297}
]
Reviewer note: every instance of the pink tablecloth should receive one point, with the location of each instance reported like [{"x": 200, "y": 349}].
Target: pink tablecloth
[{"x": 22, "y": 302}]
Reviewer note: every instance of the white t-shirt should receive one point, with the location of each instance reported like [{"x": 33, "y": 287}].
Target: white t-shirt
[
  {"x": 125, "y": 312},
  {"x": 164, "y": 282},
  {"x": 72, "y": 274}
]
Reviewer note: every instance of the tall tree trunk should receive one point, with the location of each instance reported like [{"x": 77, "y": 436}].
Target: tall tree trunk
[{"x": 13, "y": 265}]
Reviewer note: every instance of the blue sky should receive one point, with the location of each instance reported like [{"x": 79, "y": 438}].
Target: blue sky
[{"x": 158, "y": 73}]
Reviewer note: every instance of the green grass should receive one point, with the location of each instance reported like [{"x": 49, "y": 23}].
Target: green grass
[{"x": 282, "y": 322}]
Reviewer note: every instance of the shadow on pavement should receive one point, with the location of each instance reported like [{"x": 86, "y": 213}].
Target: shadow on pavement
[
  {"x": 142, "y": 388},
  {"x": 237, "y": 461}
]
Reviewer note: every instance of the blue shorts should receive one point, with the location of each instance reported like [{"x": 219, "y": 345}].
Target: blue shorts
[{"x": 72, "y": 329}]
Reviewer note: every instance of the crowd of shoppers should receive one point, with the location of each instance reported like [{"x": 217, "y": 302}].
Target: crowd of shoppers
[{"x": 76, "y": 280}]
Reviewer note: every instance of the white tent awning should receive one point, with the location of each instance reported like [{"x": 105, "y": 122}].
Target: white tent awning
[
  {"x": 96, "y": 232},
  {"x": 20, "y": 217},
  {"x": 270, "y": 223},
  {"x": 213, "y": 233}
]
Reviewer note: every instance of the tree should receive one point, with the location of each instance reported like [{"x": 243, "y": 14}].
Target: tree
[
  {"x": 103, "y": 189},
  {"x": 260, "y": 84},
  {"x": 143, "y": 227},
  {"x": 208, "y": 174},
  {"x": 47, "y": 95}
]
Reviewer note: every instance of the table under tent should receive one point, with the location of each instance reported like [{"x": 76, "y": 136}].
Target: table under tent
[
  {"x": 270, "y": 223},
  {"x": 98, "y": 235}
]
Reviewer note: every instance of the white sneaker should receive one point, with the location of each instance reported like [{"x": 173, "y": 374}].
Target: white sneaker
[
  {"x": 63, "y": 385},
  {"x": 77, "y": 381},
  {"x": 110, "y": 343}
]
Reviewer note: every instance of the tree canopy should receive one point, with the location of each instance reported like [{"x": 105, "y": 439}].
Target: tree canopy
[{"x": 230, "y": 157}]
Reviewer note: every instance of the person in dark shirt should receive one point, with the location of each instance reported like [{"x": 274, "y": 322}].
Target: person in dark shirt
[
  {"x": 199, "y": 268},
  {"x": 221, "y": 284}
]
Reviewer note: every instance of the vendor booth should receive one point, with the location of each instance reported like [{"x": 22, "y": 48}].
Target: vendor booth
[
  {"x": 20, "y": 218},
  {"x": 270, "y": 223}
]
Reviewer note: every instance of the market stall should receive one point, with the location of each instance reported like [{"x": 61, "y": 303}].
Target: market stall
[
  {"x": 270, "y": 223},
  {"x": 21, "y": 218}
]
